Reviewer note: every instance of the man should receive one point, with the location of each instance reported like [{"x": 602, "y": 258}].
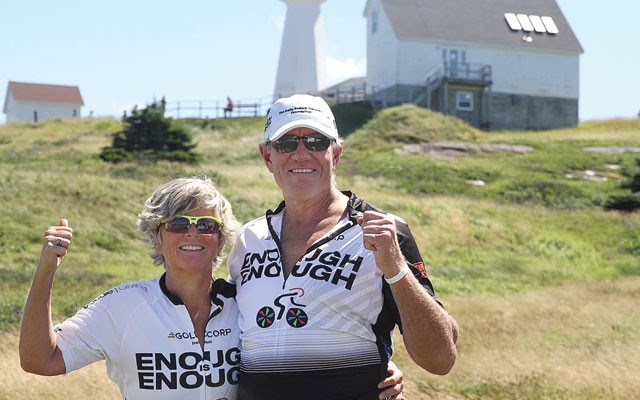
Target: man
[{"x": 341, "y": 274}]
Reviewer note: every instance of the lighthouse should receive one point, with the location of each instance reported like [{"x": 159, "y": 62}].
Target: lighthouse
[{"x": 301, "y": 68}]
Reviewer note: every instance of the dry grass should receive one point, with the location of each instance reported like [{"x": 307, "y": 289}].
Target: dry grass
[
  {"x": 577, "y": 341},
  {"x": 88, "y": 383},
  {"x": 624, "y": 131},
  {"x": 522, "y": 337},
  {"x": 85, "y": 134}
]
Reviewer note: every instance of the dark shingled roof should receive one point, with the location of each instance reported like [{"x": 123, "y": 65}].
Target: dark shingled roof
[{"x": 478, "y": 21}]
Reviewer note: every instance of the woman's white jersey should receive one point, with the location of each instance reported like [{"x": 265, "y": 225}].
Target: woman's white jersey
[
  {"x": 146, "y": 336},
  {"x": 327, "y": 326}
]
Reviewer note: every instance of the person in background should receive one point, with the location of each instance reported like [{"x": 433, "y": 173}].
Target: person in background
[
  {"x": 324, "y": 277},
  {"x": 229, "y": 107},
  {"x": 174, "y": 336}
]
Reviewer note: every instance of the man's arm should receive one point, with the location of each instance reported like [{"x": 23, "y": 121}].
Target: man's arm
[{"x": 429, "y": 332}]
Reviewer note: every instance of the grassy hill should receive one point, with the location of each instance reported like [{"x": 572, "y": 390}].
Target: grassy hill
[{"x": 543, "y": 279}]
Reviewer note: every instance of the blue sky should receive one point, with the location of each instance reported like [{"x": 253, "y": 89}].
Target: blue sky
[{"x": 122, "y": 53}]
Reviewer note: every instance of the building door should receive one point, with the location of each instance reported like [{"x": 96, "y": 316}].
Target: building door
[{"x": 453, "y": 62}]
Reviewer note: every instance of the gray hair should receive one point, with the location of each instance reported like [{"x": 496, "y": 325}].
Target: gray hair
[{"x": 178, "y": 197}]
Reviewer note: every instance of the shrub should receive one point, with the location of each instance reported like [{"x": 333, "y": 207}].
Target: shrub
[
  {"x": 633, "y": 183},
  {"x": 149, "y": 135},
  {"x": 556, "y": 195},
  {"x": 628, "y": 203},
  {"x": 115, "y": 155}
]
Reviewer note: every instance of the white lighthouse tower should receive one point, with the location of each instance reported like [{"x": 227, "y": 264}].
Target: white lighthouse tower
[{"x": 301, "y": 68}]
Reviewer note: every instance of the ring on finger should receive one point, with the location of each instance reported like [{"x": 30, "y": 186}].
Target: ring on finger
[{"x": 58, "y": 241}]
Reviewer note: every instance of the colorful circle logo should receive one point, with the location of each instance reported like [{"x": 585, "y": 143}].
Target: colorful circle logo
[
  {"x": 297, "y": 318},
  {"x": 266, "y": 316}
]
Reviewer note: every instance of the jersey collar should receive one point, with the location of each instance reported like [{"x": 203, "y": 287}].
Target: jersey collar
[
  {"x": 355, "y": 209},
  {"x": 174, "y": 298}
]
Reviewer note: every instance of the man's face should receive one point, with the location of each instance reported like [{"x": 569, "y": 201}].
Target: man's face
[{"x": 301, "y": 172}]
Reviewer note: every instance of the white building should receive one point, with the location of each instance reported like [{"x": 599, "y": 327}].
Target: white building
[
  {"x": 497, "y": 64},
  {"x": 34, "y": 102},
  {"x": 301, "y": 67}
]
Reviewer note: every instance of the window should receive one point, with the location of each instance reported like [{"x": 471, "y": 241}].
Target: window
[
  {"x": 516, "y": 100},
  {"x": 464, "y": 101},
  {"x": 374, "y": 22}
]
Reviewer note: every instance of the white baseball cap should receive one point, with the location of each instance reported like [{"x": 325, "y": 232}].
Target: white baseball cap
[{"x": 299, "y": 111}]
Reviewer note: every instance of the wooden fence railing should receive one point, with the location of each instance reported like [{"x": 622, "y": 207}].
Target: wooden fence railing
[{"x": 215, "y": 109}]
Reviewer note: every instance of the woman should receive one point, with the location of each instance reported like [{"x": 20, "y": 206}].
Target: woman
[{"x": 174, "y": 336}]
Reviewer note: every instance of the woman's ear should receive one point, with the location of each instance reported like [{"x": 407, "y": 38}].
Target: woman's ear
[{"x": 157, "y": 243}]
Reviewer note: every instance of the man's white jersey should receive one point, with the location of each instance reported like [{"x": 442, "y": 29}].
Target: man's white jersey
[
  {"x": 147, "y": 338},
  {"x": 330, "y": 319}
]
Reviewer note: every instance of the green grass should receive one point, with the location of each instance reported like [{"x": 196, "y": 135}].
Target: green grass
[
  {"x": 537, "y": 178},
  {"x": 529, "y": 228}
]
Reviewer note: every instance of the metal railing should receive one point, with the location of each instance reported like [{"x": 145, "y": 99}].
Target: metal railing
[
  {"x": 468, "y": 72},
  {"x": 254, "y": 107},
  {"x": 355, "y": 93},
  {"x": 480, "y": 73}
]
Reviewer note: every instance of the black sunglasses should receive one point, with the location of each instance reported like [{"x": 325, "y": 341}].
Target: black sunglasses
[
  {"x": 205, "y": 225},
  {"x": 312, "y": 142}
]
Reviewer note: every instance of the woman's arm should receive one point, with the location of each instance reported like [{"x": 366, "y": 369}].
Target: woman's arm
[{"x": 39, "y": 353}]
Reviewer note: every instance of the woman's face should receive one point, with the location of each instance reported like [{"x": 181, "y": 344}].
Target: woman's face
[{"x": 190, "y": 251}]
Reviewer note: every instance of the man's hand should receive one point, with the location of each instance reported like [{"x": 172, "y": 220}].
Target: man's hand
[{"x": 380, "y": 236}]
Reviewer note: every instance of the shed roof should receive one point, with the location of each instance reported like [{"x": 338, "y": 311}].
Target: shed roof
[
  {"x": 347, "y": 83},
  {"x": 38, "y": 92},
  {"x": 478, "y": 21}
]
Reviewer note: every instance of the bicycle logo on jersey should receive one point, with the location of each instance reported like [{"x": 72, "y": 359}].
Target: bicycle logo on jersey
[{"x": 296, "y": 317}]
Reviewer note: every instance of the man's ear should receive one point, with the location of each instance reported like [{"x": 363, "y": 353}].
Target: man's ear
[
  {"x": 266, "y": 156},
  {"x": 337, "y": 152}
]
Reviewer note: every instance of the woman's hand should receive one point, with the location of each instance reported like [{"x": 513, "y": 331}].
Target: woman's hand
[
  {"x": 57, "y": 240},
  {"x": 393, "y": 384}
]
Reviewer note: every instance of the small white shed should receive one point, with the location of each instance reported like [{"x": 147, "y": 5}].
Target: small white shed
[{"x": 36, "y": 102}]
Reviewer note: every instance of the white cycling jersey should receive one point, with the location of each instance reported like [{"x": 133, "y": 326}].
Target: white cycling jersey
[
  {"x": 147, "y": 338},
  {"x": 325, "y": 330}
]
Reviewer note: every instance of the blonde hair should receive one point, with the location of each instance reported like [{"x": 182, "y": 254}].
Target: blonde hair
[{"x": 178, "y": 197}]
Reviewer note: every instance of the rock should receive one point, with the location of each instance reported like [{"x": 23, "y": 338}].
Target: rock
[
  {"x": 450, "y": 150},
  {"x": 611, "y": 150}
]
